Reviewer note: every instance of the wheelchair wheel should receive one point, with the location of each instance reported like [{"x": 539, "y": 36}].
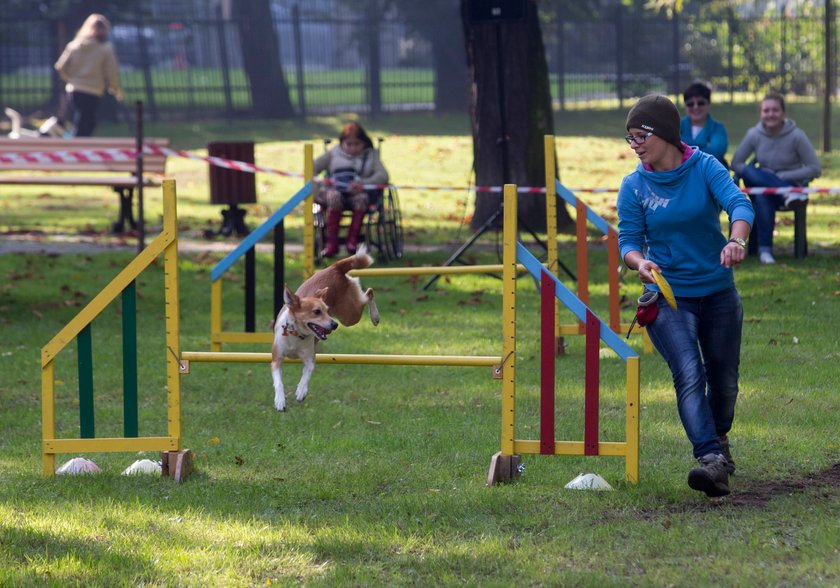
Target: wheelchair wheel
[
  {"x": 320, "y": 233},
  {"x": 391, "y": 225}
]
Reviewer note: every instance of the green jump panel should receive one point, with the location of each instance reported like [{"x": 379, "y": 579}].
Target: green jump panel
[
  {"x": 129, "y": 341},
  {"x": 85, "y": 364}
]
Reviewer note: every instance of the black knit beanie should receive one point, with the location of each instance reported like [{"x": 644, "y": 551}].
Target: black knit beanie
[{"x": 658, "y": 115}]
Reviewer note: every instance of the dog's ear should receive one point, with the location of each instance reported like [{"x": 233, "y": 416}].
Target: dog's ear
[
  {"x": 322, "y": 293},
  {"x": 290, "y": 297}
]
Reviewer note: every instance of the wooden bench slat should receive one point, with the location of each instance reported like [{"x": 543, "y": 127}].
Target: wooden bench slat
[
  {"x": 117, "y": 182},
  {"x": 151, "y": 164}
]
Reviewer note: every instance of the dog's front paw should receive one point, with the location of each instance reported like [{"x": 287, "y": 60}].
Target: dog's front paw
[
  {"x": 280, "y": 400},
  {"x": 301, "y": 393}
]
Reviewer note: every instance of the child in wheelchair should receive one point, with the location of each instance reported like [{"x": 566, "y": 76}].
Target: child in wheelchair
[{"x": 351, "y": 164}]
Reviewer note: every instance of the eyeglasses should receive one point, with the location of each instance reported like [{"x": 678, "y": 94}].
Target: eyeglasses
[
  {"x": 637, "y": 139},
  {"x": 698, "y": 103}
]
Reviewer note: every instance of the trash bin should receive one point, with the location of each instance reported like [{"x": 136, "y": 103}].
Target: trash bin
[{"x": 232, "y": 187}]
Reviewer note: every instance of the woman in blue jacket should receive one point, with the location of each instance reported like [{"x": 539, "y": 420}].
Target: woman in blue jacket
[
  {"x": 698, "y": 128},
  {"x": 669, "y": 222}
]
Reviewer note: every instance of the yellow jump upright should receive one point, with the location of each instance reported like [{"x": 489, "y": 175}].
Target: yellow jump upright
[{"x": 78, "y": 329}]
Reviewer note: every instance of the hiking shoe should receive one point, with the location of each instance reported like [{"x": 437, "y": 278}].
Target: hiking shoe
[
  {"x": 766, "y": 258},
  {"x": 727, "y": 453},
  {"x": 711, "y": 476}
]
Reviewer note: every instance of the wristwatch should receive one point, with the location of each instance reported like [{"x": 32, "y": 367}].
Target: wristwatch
[{"x": 739, "y": 241}]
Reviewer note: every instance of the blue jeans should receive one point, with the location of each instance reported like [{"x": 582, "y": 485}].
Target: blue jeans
[
  {"x": 765, "y": 204},
  {"x": 701, "y": 341}
]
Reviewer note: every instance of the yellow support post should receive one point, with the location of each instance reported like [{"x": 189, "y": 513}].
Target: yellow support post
[
  {"x": 551, "y": 221},
  {"x": 308, "y": 215},
  {"x": 631, "y": 459},
  {"x": 172, "y": 312},
  {"x": 508, "y": 365},
  {"x": 47, "y": 416},
  {"x": 216, "y": 315}
]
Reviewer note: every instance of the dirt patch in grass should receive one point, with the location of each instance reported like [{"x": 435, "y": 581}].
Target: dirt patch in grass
[
  {"x": 823, "y": 483},
  {"x": 758, "y": 493}
]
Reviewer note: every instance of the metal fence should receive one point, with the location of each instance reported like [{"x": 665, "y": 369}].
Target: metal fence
[{"x": 185, "y": 62}]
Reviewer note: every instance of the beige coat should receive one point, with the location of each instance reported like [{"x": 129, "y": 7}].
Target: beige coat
[{"x": 90, "y": 66}]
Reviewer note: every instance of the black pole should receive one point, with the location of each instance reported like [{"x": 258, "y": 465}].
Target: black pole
[
  {"x": 298, "y": 62},
  {"x": 619, "y": 57},
  {"x": 138, "y": 146},
  {"x": 500, "y": 86},
  {"x": 561, "y": 61},
  {"x": 250, "y": 290},
  {"x": 829, "y": 78},
  {"x": 223, "y": 54},
  {"x": 279, "y": 266}
]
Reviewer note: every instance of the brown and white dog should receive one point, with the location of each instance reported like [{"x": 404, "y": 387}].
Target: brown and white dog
[{"x": 307, "y": 317}]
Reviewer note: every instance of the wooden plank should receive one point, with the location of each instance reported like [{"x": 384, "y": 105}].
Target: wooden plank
[{"x": 56, "y": 180}]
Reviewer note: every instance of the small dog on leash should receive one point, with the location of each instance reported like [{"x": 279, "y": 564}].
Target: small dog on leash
[{"x": 307, "y": 318}]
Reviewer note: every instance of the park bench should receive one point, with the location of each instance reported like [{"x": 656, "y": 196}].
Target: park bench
[{"x": 121, "y": 176}]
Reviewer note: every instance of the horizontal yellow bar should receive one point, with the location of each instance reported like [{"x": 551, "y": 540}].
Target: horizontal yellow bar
[
  {"x": 431, "y": 270},
  {"x": 451, "y": 360},
  {"x": 239, "y": 337},
  {"x": 570, "y": 448},
  {"x": 105, "y": 445}
]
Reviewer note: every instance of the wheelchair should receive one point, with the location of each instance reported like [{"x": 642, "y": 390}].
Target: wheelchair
[{"x": 382, "y": 230}]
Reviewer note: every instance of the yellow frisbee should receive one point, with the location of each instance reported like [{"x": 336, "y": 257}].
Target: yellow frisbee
[{"x": 665, "y": 288}]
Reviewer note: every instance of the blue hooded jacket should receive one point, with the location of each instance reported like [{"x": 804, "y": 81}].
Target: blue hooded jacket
[{"x": 673, "y": 217}]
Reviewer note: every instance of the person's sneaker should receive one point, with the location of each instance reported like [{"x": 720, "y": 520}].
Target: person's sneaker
[
  {"x": 766, "y": 258},
  {"x": 727, "y": 453},
  {"x": 711, "y": 476}
]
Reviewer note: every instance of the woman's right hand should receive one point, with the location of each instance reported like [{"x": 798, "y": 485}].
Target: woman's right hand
[{"x": 645, "y": 267}]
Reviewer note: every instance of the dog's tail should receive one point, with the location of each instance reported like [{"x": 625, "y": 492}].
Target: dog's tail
[{"x": 360, "y": 260}]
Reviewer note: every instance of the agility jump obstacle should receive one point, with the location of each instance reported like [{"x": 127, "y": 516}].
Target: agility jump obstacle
[
  {"x": 79, "y": 328},
  {"x": 504, "y": 366},
  {"x": 516, "y": 258}
]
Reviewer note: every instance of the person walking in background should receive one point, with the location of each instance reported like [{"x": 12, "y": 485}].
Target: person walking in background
[
  {"x": 89, "y": 67},
  {"x": 698, "y": 128},
  {"x": 349, "y": 165},
  {"x": 783, "y": 157},
  {"x": 669, "y": 223}
]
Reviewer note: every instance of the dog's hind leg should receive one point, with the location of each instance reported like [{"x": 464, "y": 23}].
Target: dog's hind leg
[
  {"x": 277, "y": 376},
  {"x": 303, "y": 385},
  {"x": 371, "y": 304}
]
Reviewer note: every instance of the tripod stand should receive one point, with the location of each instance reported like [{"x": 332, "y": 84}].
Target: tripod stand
[{"x": 503, "y": 142}]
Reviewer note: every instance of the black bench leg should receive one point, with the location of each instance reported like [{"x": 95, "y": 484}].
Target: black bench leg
[
  {"x": 126, "y": 212},
  {"x": 800, "y": 228}
]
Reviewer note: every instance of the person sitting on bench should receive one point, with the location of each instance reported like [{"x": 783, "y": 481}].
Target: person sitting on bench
[
  {"x": 351, "y": 164},
  {"x": 783, "y": 157}
]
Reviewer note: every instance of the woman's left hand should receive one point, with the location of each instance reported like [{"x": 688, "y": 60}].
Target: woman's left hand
[
  {"x": 356, "y": 188},
  {"x": 732, "y": 254}
]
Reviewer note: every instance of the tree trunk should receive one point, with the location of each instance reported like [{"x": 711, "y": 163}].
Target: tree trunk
[
  {"x": 510, "y": 111},
  {"x": 261, "y": 59}
]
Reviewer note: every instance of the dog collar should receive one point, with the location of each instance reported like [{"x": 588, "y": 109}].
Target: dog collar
[{"x": 290, "y": 330}]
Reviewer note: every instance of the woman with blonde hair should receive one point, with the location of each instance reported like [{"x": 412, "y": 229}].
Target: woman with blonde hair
[{"x": 89, "y": 67}]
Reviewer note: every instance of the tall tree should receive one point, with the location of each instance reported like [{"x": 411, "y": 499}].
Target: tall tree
[
  {"x": 510, "y": 111},
  {"x": 261, "y": 59}
]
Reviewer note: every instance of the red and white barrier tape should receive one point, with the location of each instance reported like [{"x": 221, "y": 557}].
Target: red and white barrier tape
[{"x": 95, "y": 155}]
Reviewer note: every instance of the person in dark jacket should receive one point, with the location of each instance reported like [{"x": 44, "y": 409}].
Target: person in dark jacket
[{"x": 698, "y": 128}]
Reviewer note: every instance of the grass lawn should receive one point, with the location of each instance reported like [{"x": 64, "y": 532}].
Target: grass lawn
[{"x": 379, "y": 477}]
